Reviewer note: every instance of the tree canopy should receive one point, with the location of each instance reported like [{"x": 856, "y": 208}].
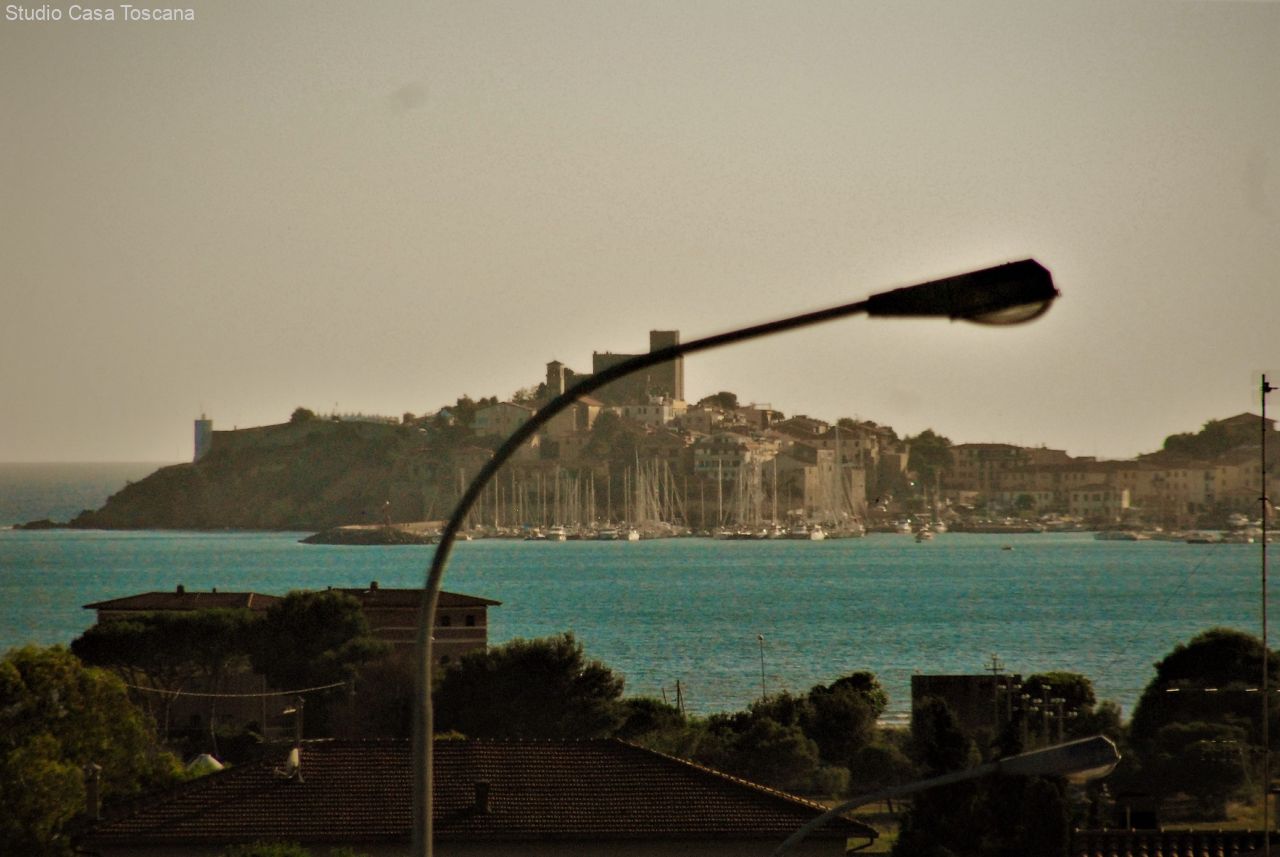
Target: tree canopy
[
  {"x": 930, "y": 456},
  {"x": 1211, "y": 441},
  {"x": 723, "y": 399},
  {"x": 1198, "y": 743},
  {"x": 56, "y": 717},
  {"x": 1221, "y": 658},
  {"x": 307, "y": 639},
  {"x": 168, "y": 650},
  {"x": 544, "y": 688}
]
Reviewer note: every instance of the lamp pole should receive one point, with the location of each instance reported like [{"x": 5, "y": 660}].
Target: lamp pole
[
  {"x": 1266, "y": 694},
  {"x": 1004, "y": 294},
  {"x": 1085, "y": 759}
]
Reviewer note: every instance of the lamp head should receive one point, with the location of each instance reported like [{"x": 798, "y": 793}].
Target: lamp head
[
  {"x": 1005, "y": 294},
  {"x": 1078, "y": 761}
]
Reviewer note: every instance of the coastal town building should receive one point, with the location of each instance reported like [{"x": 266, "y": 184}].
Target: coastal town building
[
  {"x": 577, "y": 418},
  {"x": 1100, "y": 503},
  {"x": 657, "y": 411},
  {"x": 981, "y": 466},
  {"x": 665, "y": 380},
  {"x": 491, "y": 799},
  {"x": 500, "y": 420}
]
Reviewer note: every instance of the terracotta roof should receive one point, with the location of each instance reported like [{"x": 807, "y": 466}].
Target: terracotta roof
[
  {"x": 374, "y": 596},
  {"x": 360, "y": 791},
  {"x": 180, "y": 599}
]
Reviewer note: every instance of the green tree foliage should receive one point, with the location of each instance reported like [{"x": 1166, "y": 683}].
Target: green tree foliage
[
  {"x": 799, "y": 743},
  {"x": 1210, "y": 442},
  {"x": 1005, "y": 816},
  {"x": 169, "y": 650},
  {"x": 382, "y": 705},
  {"x": 307, "y": 639},
  {"x": 1205, "y": 761},
  {"x": 879, "y": 766},
  {"x": 544, "y": 688},
  {"x": 302, "y": 415},
  {"x": 56, "y": 717},
  {"x": 644, "y": 716},
  {"x": 841, "y": 717},
  {"x": 930, "y": 456},
  {"x": 723, "y": 399},
  {"x": 311, "y": 639},
  {"x": 1221, "y": 658},
  {"x": 940, "y": 822},
  {"x": 1203, "y": 745},
  {"x": 1083, "y": 715}
]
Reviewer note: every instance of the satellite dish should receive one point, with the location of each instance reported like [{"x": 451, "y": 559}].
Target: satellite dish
[
  {"x": 204, "y": 764},
  {"x": 292, "y": 766}
]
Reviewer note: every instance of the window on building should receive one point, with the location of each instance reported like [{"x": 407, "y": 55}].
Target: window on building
[
  {"x": 471, "y": 621},
  {"x": 446, "y": 621}
]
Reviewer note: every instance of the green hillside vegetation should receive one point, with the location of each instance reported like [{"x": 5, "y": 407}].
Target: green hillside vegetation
[{"x": 305, "y": 474}]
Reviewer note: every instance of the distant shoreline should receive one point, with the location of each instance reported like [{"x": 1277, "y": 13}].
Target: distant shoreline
[{"x": 59, "y": 490}]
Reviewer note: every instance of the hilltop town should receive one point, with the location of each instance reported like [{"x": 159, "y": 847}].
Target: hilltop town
[{"x": 638, "y": 457}]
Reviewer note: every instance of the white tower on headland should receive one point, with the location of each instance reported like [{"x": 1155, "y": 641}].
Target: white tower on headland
[{"x": 204, "y": 437}]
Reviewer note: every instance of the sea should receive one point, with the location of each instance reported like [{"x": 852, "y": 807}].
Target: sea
[{"x": 727, "y": 620}]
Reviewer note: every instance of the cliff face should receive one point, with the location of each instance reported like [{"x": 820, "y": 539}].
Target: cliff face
[{"x": 298, "y": 476}]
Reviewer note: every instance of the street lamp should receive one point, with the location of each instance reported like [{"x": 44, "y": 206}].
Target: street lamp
[
  {"x": 1004, "y": 294},
  {"x": 1266, "y": 696},
  {"x": 1077, "y": 761}
]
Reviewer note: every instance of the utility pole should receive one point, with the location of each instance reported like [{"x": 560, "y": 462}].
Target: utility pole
[
  {"x": 763, "y": 693},
  {"x": 995, "y": 669}
]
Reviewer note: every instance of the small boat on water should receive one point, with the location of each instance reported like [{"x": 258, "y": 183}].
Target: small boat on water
[{"x": 804, "y": 532}]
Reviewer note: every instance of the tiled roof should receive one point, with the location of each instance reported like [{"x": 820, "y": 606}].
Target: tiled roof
[
  {"x": 361, "y": 792},
  {"x": 182, "y": 600},
  {"x": 376, "y": 596},
  {"x": 371, "y": 597}
]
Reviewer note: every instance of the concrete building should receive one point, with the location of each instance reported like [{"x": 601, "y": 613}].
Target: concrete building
[
  {"x": 500, "y": 420},
  {"x": 1099, "y": 503}
]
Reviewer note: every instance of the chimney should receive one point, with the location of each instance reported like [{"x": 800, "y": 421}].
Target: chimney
[
  {"x": 481, "y": 805},
  {"x": 93, "y": 791},
  {"x": 373, "y": 585},
  {"x": 182, "y": 590}
]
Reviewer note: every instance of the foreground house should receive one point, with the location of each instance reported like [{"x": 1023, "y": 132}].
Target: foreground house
[
  {"x": 461, "y": 626},
  {"x": 525, "y": 798},
  {"x": 461, "y": 620}
]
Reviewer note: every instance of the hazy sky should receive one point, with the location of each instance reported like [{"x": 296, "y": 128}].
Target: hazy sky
[{"x": 384, "y": 206}]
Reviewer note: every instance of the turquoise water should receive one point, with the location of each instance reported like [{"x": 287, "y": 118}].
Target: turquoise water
[{"x": 691, "y": 609}]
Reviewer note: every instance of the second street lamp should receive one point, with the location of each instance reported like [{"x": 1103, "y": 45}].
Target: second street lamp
[{"x": 1004, "y": 294}]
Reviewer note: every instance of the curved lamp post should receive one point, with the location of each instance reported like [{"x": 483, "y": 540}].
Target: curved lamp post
[
  {"x": 1005, "y": 294},
  {"x": 1078, "y": 761}
]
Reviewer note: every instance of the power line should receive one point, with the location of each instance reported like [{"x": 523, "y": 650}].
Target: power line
[{"x": 261, "y": 695}]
